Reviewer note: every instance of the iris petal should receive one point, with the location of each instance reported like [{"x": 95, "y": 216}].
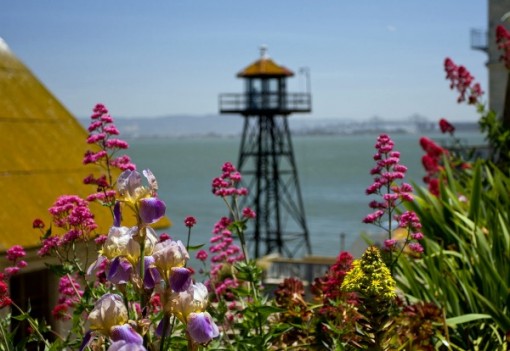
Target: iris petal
[
  {"x": 180, "y": 279},
  {"x": 120, "y": 271},
  {"x": 201, "y": 327},
  {"x": 151, "y": 210},
  {"x": 127, "y": 333}
]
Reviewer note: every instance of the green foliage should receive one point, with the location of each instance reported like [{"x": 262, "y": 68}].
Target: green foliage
[
  {"x": 498, "y": 137},
  {"x": 465, "y": 269}
]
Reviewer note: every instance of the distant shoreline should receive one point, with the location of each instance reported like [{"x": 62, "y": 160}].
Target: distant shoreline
[{"x": 180, "y": 127}]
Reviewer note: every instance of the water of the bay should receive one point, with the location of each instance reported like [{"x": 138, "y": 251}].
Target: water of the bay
[{"x": 333, "y": 173}]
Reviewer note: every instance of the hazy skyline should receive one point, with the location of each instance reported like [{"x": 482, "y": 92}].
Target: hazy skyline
[{"x": 159, "y": 58}]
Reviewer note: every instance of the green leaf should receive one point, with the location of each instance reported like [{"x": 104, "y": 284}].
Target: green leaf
[
  {"x": 59, "y": 269},
  {"x": 266, "y": 311},
  {"x": 474, "y": 208},
  {"x": 47, "y": 234},
  {"x": 195, "y": 247},
  {"x": 454, "y": 321},
  {"x": 21, "y": 317}
]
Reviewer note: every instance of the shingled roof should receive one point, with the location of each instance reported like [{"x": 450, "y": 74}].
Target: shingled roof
[{"x": 42, "y": 147}]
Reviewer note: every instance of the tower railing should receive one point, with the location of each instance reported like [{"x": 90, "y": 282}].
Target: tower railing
[
  {"x": 479, "y": 40},
  {"x": 255, "y": 103}
]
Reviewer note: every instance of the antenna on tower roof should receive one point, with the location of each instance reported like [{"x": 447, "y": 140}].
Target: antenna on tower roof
[{"x": 263, "y": 52}]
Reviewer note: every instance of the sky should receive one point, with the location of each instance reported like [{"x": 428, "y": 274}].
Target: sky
[{"x": 155, "y": 58}]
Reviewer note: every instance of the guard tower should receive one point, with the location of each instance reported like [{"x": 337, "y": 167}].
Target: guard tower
[{"x": 266, "y": 158}]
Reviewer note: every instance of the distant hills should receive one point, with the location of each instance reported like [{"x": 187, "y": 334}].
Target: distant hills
[
  {"x": 230, "y": 125},
  {"x": 177, "y": 126}
]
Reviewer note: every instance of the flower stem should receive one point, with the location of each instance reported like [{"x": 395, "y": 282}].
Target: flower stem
[{"x": 166, "y": 324}]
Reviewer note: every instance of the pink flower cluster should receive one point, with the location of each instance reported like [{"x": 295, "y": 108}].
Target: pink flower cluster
[
  {"x": 462, "y": 80},
  {"x": 202, "y": 255},
  {"x": 386, "y": 172},
  {"x": 503, "y": 41},
  {"x": 71, "y": 213},
  {"x": 5, "y": 299},
  {"x": 409, "y": 220},
  {"x": 101, "y": 131},
  {"x": 329, "y": 286},
  {"x": 14, "y": 255},
  {"x": 226, "y": 184},
  {"x": 69, "y": 296},
  {"x": 432, "y": 163},
  {"x": 190, "y": 221},
  {"x": 223, "y": 251}
]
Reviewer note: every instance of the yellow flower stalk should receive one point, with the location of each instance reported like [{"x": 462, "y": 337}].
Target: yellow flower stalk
[{"x": 370, "y": 277}]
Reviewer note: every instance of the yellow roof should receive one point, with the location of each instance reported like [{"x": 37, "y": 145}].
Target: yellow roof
[
  {"x": 42, "y": 147},
  {"x": 265, "y": 67}
]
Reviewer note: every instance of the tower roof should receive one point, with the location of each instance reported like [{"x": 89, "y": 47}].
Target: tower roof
[
  {"x": 265, "y": 67},
  {"x": 42, "y": 150}
]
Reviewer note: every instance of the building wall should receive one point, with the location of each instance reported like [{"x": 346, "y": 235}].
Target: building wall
[{"x": 497, "y": 71}]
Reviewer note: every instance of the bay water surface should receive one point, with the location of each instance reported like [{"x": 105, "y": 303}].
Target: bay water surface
[{"x": 333, "y": 173}]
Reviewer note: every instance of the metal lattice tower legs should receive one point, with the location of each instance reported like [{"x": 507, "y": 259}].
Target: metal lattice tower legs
[{"x": 266, "y": 160}]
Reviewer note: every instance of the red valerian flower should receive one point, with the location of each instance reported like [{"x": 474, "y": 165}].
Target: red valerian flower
[
  {"x": 503, "y": 41},
  {"x": 446, "y": 127},
  {"x": 462, "y": 81},
  {"x": 190, "y": 221},
  {"x": 38, "y": 224}
]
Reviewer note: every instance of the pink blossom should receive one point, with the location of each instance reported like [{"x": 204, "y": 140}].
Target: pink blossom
[
  {"x": 116, "y": 144},
  {"x": 94, "y": 125},
  {"x": 100, "y": 240},
  {"x": 462, "y": 80},
  {"x": 48, "y": 245},
  {"x": 373, "y": 217},
  {"x": 417, "y": 236},
  {"x": 164, "y": 237},
  {"x": 123, "y": 163},
  {"x": 38, "y": 223},
  {"x": 15, "y": 252},
  {"x": 416, "y": 247},
  {"x": 503, "y": 41},
  {"x": 190, "y": 221},
  {"x": 94, "y": 138},
  {"x": 111, "y": 129},
  {"x": 446, "y": 127},
  {"x": 235, "y": 176},
  {"x": 390, "y": 244},
  {"x": 387, "y": 183},
  {"x": 248, "y": 213},
  {"x": 202, "y": 255},
  {"x": 10, "y": 271},
  {"x": 226, "y": 184},
  {"x": 106, "y": 119}
]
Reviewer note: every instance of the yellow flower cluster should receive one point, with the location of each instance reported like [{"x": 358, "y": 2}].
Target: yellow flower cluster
[{"x": 370, "y": 277}]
